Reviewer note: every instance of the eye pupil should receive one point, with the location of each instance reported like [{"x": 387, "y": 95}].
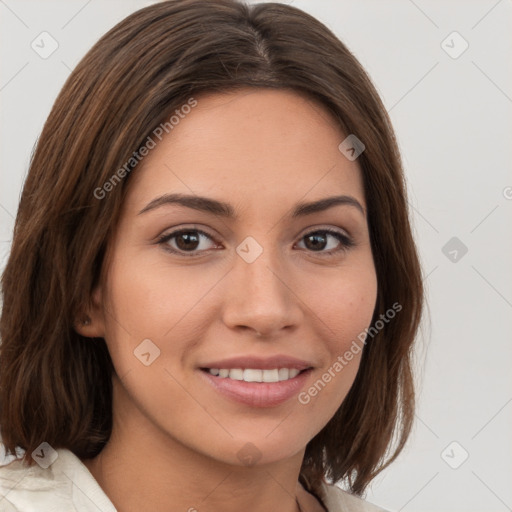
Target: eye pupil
[
  {"x": 316, "y": 243},
  {"x": 190, "y": 237}
]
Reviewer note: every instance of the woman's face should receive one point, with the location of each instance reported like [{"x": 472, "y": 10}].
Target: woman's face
[{"x": 190, "y": 287}]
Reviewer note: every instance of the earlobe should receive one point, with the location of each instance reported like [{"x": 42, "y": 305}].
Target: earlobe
[
  {"x": 91, "y": 322},
  {"x": 82, "y": 325}
]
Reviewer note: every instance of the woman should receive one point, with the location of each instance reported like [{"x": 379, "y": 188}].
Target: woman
[{"x": 213, "y": 290}]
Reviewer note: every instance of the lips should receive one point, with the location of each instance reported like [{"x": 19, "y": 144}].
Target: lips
[{"x": 257, "y": 394}]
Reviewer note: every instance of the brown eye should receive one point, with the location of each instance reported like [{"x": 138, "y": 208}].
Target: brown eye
[
  {"x": 318, "y": 241},
  {"x": 186, "y": 241}
]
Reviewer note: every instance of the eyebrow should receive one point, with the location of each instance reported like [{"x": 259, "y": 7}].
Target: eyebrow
[{"x": 222, "y": 209}]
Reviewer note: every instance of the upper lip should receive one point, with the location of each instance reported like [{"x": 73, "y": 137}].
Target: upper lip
[{"x": 263, "y": 363}]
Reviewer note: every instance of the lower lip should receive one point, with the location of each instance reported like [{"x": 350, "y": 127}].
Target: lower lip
[{"x": 258, "y": 394}]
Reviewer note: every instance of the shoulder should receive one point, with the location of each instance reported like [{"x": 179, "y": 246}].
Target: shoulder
[
  {"x": 21, "y": 486},
  {"x": 338, "y": 500},
  {"x": 66, "y": 484}
]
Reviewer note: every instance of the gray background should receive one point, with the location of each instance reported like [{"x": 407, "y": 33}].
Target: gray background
[{"x": 453, "y": 121}]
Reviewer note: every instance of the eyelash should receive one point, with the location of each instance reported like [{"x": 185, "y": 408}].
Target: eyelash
[{"x": 346, "y": 242}]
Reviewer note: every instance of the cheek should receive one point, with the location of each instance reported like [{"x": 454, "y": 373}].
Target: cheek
[
  {"x": 345, "y": 304},
  {"x": 144, "y": 311},
  {"x": 344, "y": 307},
  {"x": 150, "y": 299}
]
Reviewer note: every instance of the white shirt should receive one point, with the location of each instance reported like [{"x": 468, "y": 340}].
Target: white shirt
[{"x": 68, "y": 486}]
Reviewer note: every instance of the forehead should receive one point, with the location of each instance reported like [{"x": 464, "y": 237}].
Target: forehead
[{"x": 250, "y": 146}]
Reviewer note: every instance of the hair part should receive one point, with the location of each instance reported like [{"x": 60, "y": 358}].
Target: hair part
[{"x": 56, "y": 385}]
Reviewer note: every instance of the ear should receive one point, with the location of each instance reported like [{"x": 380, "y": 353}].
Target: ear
[{"x": 91, "y": 322}]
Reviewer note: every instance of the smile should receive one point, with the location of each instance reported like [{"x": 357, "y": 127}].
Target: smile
[{"x": 249, "y": 387}]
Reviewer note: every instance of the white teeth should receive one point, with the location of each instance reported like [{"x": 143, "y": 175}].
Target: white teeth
[
  {"x": 284, "y": 373},
  {"x": 255, "y": 375},
  {"x": 236, "y": 374},
  {"x": 294, "y": 372},
  {"x": 270, "y": 375}
]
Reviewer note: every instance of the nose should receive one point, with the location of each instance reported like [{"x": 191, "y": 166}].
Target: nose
[{"x": 260, "y": 297}]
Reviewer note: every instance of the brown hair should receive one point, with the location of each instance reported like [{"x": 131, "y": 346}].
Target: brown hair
[{"x": 55, "y": 385}]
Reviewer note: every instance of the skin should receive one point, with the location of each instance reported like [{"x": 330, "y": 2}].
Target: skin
[{"x": 175, "y": 438}]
